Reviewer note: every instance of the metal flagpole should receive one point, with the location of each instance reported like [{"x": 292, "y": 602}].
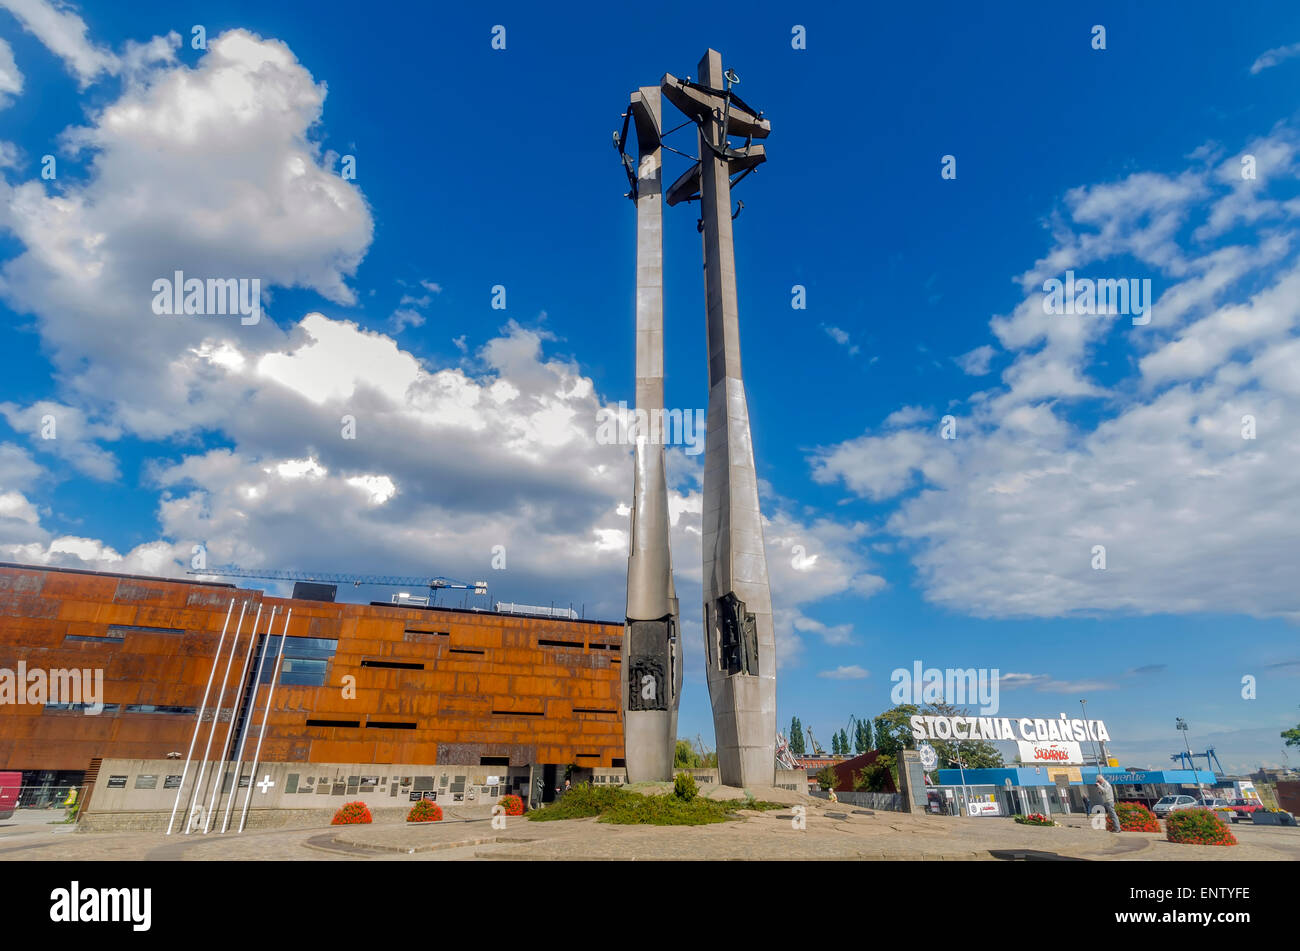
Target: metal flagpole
[
  {"x": 198, "y": 723},
  {"x": 216, "y": 715},
  {"x": 243, "y": 738},
  {"x": 218, "y": 781},
  {"x": 275, "y": 675}
]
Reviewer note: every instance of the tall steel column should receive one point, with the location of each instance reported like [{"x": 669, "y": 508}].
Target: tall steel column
[
  {"x": 739, "y": 640},
  {"x": 652, "y": 651}
]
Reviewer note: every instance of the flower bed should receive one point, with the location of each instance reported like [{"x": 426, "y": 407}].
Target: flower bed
[
  {"x": 1035, "y": 819},
  {"x": 514, "y": 805},
  {"x": 1197, "y": 827},
  {"x": 425, "y": 811},
  {"x": 1134, "y": 817},
  {"x": 352, "y": 813}
]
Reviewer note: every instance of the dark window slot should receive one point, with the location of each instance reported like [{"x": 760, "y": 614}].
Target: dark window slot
[
  {"x": 94, "y": 638},
  {"x": 546, "y": 643},
  {"x": 593, "y": 710},
  {"x": 588, "y": 756},
  {"x": 518, "y": 713},
  {"x": 118, "y": 630},
  {"x": 391, "y": 665},
  {"x": 389, "y": 725},
  {"x": 465, "y": 650},
  {"x": 494, "y": 760},
  {"x": 334, "y": 723},
  {"x": 411, "y": 630}
]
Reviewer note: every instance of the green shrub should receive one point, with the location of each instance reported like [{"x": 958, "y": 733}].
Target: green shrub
[
  {"x": 619, "y": 806},
  {"x": 826, "y": 778},
  {"x": 1198, "y": 827},
  {"x": 878, "y": 776},
  {"x": 684, "y": 787}
]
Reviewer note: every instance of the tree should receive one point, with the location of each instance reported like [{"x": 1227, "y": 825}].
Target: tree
[
  {"x": 1292, "y": 736},
  {"x": 862, "y": 736},
  {"x": 973, "y": 754},
  {"x": 835, "y": 744},
  {"x": 878, "y": 776},
  {"x": 796, "y": 737},
  {"x": 826, "y": 778},
  {"x": 684, "y": 756},
  {"x": 893, "y": 730}
]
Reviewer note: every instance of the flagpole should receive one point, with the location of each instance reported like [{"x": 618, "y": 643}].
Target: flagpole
[
  {"x": 216, "y": 715},
  {"x": 243, "y": 738},
  {"x": 275, "y": 675},
  {"x": 230, "y": 730},
  {"x": 198, "y": 723}
]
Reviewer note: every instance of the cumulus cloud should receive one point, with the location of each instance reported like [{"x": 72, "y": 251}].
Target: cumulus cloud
[{"x": 1006, "y": 519}]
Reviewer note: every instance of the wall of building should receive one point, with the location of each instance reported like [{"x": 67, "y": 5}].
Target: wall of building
[{"x": 520, "y": 689}]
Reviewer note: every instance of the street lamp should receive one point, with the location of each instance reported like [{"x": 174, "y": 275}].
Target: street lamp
[
  {"x": 1096, "y": 756},
  {"x": 1181, "y": 724}
]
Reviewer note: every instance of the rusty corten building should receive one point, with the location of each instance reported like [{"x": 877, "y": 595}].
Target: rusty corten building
[{"x": 359, "y": 683}]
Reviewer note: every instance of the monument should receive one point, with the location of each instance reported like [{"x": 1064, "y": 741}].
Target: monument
[
  {"x": 739, "y": 640},
  {"x": 652, "y": 650}
]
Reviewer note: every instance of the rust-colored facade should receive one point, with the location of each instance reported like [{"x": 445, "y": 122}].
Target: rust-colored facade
[{"x": 402, "y": 684}]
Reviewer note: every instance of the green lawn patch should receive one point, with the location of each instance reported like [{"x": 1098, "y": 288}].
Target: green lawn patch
[{"x": 612, "y": 804}]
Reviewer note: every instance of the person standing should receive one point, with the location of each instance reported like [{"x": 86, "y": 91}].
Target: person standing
[{"x": 1106, "y": 795}]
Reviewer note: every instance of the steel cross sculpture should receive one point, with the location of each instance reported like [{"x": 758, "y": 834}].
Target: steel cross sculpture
[{"x": 739, "y": 640}]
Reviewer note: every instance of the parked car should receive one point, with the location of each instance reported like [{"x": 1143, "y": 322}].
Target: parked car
[
  {"x": 1168, "y": 804},
  {"x": 1223, "y": 807},
  {"x": 10, "y": 784}
]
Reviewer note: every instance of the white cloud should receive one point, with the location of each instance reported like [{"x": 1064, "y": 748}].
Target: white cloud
[
  {"x": 1003, "y": 520},
  {"x": 851, "y": 672},
  {"x": 976, "y": 362},
  {"x": 1274, "y": 56},
  {"x": 841, "y": 337},
  {"x": 57, "y": 25},
  {"x": 11, "y": 77}
]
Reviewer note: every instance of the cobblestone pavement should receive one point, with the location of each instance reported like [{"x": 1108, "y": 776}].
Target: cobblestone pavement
[{"x": 832, "y": 832}]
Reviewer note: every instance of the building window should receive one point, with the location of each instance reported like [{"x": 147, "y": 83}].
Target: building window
[
  {"x": 79, "y": 708},
  {"x": 159, "y": 708},
  {"x": 94, "y": 638},
  {"x": 392, "y": 665},
  {"x": 119, "y": 631},
  {"x": 306, "y": 660},
  {"x": 356, "y": 723}
]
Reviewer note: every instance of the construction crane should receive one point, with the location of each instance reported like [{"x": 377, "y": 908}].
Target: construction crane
[
  {"x": 851, "y": 731},
  {"x": 1188, "y": 760},
  {"x": 324, "y": 577},
  {"x": 812, "y": 741},
  {"x": 704, "y": 750}
]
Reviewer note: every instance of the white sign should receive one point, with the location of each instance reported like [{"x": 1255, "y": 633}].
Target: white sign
[
  {"x": 983, "y": 809},
  {"x": 493, "y": 780},
  {"x": 929, "y": 758},
  {"x": 1005, "y": 728},
  {"x": 1050, "y": 752}
]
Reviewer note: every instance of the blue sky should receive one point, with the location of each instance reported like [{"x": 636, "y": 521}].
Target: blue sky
[{"x": 475, "y": 426}]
